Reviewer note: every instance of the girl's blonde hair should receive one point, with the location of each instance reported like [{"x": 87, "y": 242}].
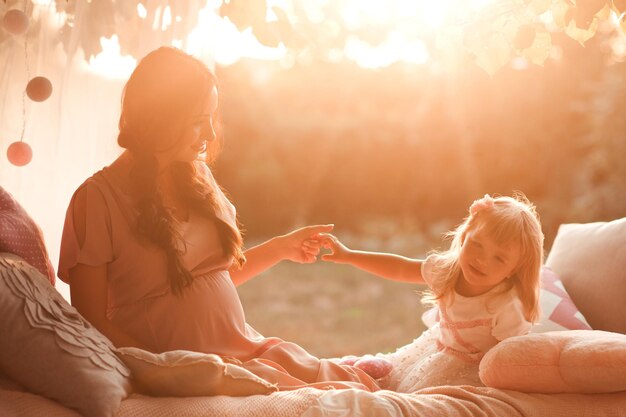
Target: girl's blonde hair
[{"x": 504, "y": 219}]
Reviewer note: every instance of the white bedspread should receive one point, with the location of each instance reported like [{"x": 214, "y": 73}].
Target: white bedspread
[{"x": 449, "y": 401}]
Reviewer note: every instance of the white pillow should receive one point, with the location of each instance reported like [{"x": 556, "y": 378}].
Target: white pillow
[
  {"x": 182, "y": 373},
  {"x": 591, "y": 261}
]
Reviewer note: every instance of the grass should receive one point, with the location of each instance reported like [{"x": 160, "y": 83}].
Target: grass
[{"x": 333, "y": 310}]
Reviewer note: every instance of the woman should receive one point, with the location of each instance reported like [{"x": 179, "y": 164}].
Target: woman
[{"x": 151, "y": 248}]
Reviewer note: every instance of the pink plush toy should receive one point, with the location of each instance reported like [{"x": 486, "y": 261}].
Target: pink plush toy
[
  {"x": 371, "y": 365},
  {"x": 348, "y": 360}
]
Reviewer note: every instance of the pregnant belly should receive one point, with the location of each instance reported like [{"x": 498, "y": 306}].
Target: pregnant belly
[{"x": 207, "y": 317}]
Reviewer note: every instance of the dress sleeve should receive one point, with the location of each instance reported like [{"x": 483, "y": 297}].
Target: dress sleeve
[
  {"x": 86, "y": 237},
  {"x": 428, "y": 273},
  {"x": 510, "y": 320}
]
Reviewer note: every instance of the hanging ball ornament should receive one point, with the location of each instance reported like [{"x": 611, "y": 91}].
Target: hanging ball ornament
[
  {"x": 15, "y": 22},
  {"x": 39, "y": 89},
  {"x": 19, "y": 153}
]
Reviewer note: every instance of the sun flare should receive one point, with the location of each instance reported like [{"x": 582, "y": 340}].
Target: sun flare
[
  {"x": 110, "y": 62},
  {"x": 371, "y": 33},
  {"x": 217, "y": 40}
]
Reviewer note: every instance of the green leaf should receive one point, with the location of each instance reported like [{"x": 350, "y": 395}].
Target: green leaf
[
  {"x": 494, "y": 54},
  {"x": 538, "y": 7},
  {"x": 271, "y": 33},
  {"x": 605, "y": 12},
  {"x": 525, "y": 37},
  {"x": 622, "y": 25},
  {"x": 244, "y": 13},
  {"x": 619, "y": 6},
  {"x": 560, "y": 11},
  {"x": 539, "y": 51},
  {"x": 581, "y": 35}
]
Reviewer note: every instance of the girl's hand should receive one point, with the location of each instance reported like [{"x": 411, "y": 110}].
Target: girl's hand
[
  {"x": 338, "y": 251},
  {"x": 304, "y": 244}
]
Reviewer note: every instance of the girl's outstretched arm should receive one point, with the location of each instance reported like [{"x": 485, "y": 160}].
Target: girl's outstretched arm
[{"x": 385, "y": 265}]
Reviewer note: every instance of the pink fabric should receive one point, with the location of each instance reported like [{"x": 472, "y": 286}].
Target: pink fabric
[
  {"x": 564, "y": 314},
  {"x": 574, "y": 361},
  {"x": 471, "y": 353},
  {"x": 21, "y": 236},
  {"x": 208, "y": 317},
  {"x": 470, "y": 326}
]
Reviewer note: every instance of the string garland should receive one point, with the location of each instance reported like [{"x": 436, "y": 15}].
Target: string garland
[{"x": 38, "y": 89}]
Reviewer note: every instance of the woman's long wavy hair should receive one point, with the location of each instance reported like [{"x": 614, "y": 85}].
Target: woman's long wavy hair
[
  {"x": 158, "y": 100},
  {"x": 504, "y": 219}
]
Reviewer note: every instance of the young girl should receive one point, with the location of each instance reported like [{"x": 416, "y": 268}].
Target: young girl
[{"x": 485, "y": 287}]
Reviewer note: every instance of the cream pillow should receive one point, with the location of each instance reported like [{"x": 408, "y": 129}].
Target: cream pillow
[
  {"x": 591, "y": 261},
  {"x": 575, "y": 361},
  {"x": 49, "y": 349},
  {"x": 182, "y": 373}
]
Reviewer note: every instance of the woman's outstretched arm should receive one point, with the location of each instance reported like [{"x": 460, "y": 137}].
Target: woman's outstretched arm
[{"x": 301, "y": 245}]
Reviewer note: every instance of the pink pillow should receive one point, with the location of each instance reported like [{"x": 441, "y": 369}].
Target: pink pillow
[
  {"x": 21, "y": 236},
  {"x": 575, "y": 361},
  {"x": 558, "y": 311}
]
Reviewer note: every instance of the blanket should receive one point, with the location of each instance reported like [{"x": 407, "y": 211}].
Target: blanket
[{"x": 449, "y": 401}]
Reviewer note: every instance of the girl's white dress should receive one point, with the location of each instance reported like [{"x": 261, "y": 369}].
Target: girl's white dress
[{"x": 461, "y": 330}]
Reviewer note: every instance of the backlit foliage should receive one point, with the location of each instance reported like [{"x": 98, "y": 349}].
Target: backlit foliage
[{"x": 489, "y": 33}]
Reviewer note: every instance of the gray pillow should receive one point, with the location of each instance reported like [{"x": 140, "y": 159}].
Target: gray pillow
[{"x": 48, "y": 348}]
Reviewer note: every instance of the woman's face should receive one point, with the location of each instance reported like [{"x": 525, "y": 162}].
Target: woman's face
[{"x": 197, "y": 132}]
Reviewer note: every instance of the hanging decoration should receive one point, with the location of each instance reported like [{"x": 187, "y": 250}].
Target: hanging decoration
[
  {"x": 19, "y": 153},
  {"x": 15, "y": 22},
  {"x": 39, "y": 89}
]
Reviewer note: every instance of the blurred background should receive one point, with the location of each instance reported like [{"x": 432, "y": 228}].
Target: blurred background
[{"x": 386, "y": 119}]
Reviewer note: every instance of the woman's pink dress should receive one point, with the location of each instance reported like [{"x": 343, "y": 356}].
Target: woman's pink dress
[{"x": 208, "y": 316}]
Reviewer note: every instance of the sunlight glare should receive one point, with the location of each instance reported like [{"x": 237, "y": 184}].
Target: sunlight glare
[
  {"x": 157, "y": 18},
  {"x": 395, "y": 48},
  {"x": 142, "y": 12},
  {"x": 167, "y": 18},
  {"x": 359, "y": 13},
  {"x": 412, "y": 22},
  {"x": 427, "y": 13},
  {"x": 218, "y": 40},
  {"x": 110, "y": 63},
  {"x": 435, "y": 12}
]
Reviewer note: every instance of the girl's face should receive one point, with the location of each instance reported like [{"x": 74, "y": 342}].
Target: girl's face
[
  {"x": 485, "y": 263},
  {"x": 197, "y": 132}
]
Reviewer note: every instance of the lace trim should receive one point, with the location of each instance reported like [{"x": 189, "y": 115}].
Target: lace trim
[
  {"x": 473, "y": 354},
  {"x": 45, "y": 308}
]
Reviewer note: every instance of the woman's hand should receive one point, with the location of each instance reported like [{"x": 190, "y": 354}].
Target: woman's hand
[
  {"x": 339, "y": 252},
  {"x": 303, "y": 245}
]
